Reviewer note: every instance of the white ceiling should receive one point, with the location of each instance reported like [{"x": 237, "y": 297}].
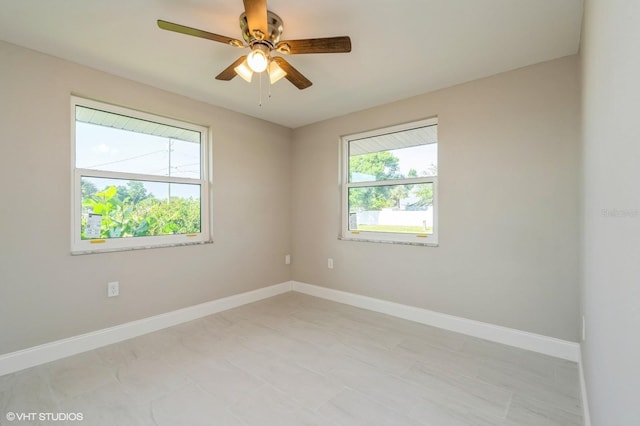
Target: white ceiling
[{"x": 400, "y": 48}]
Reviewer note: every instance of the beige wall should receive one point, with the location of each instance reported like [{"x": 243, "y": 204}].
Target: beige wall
[
  {"x": 47, "y": 294},
  {"x": 508, "y": 184},
  {"x": 611, "y": 203},
  {"x": 508, "y": 206}
]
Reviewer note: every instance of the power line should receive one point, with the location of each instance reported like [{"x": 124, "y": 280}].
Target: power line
[{"x": 126, "y": 159}]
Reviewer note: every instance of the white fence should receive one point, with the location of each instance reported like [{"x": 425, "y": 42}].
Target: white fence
[{"x": 394, "y": 218}]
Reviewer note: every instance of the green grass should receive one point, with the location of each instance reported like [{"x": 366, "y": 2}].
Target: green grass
[{"x": 394, "y": 228}]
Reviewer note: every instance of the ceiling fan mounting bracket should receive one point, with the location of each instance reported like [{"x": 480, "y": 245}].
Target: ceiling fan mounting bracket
[{"x": 274, "y": 30}]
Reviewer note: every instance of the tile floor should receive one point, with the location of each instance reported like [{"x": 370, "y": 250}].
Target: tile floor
[{"x": 298, "y": 360}]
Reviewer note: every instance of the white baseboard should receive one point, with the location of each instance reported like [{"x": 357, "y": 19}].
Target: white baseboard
[
  {"x": 521, "y": 339},
  {"x": 52, "y": 351}
]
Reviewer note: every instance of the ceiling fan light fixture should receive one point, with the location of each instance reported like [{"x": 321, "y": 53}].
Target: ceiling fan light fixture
[
  {"x": 258, "y": 59},
  {"x": 261, "y": 32},
  {"x": 275, "y": 72},
  {"x": 244, "y": 71}
]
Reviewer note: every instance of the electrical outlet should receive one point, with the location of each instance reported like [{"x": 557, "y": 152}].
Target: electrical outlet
[
  {"x": 330, "y": 263},
  {"x": 113, "y": 289},
  {"x": 287, "y": 259},
  {"x": 584, "y": 329}
]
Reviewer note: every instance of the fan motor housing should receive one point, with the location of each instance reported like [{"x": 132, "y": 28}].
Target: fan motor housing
[{"x": 274, "y": 25}]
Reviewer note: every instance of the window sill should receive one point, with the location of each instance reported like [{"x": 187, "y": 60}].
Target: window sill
[
  {"x": 116, "y": 249},
  {"x": 373, "y": 240}
]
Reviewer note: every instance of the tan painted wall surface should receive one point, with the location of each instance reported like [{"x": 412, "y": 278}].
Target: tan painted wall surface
[
  {"x": 508, "y": 207},
  {"x": 508, "y": 184},
  {"x": 45, "y": 293}
]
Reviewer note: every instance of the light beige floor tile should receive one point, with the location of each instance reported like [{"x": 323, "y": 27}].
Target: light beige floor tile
[
  {"x": 439, "y": 358},
  {"x": 267, "y": 406},
  {"x": 146, "y": 346},
  {"x": 460, "y": 392},
  {"x": 353, "y": 408},
  {"x": 567, "y": 377},
  {"x": 275, "y": 321},
  {"x": 78, "y": 374},
  {"x": 181, "y": 358},
  {"x": 191, "y": 406},
  {"x": 145, "y": 380},
  {"x": 217, "y": 322},
  {"x": 392, "y": 392},
  {"x": 254, "y": 362},
  {"x": 303, "y": 386},
  {"x": 351, "y": 372},
  {"x": 26, "y": 391},
  {"x": 495, "y": 354},
  {"x": 531, "y": 412},
  {"x": 295, "y": 359},
  {"x": 392, "y": 361},
  {"x": 531, "y": 385},
  {"x": 206, "y": 345},
  {"x": 224, "y": 382},
  {"x": 107, "y": 405},
  {"x": 312, "y": 333},
  {"x": 436, "y": 414}
]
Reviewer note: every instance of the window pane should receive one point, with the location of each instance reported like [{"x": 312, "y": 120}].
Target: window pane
[
  {"x": 116, "y": 143},
  {"x": 119, "y": 208},
  {"x": 392, "y": 208},
  {"x": 396, "y": 155}
]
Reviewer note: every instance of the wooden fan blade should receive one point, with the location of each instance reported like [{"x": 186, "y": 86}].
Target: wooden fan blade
[
  {"x": 170, "y": 26},
  {"x": 230, "y": 72},
  {"x": 293, "y": 75},
  {"x": 256, "y": 11},
  {"x": 315, "y": 45}
]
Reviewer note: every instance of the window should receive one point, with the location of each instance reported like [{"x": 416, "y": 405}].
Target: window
[
  {"x": 139, "y": 180},
  {"x": 390, "y": 184}
]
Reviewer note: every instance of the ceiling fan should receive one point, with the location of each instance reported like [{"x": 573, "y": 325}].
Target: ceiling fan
[{"x": 261, "y": 31}]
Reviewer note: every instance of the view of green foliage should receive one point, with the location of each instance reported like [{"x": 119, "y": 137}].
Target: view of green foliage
[
  {"x": 380, "y": 166},
  {"x": 130, "y": 211}
]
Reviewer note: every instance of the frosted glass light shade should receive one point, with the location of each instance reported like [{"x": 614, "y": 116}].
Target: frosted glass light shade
[
  {"x": 257, "y": 60},
  {"x": 275, "y": 72},
  {"x": 244, "y": 71}
]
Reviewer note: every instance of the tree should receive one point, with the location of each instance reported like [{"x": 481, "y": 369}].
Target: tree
[
  {"x": 425, "y": 195},
  {"x": 133, "y": 192},
  {"x": 87, "y": 189},
  {"x": 398, "y": 193},
  {"x": 424, "y": 191},
  {"x": 374, "y": 166},
  {"x": 383, "y": 165},
  {"x": 401, "y": 192}
]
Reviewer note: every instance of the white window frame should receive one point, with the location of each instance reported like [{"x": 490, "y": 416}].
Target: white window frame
[
  {"x": 421, "y": 239},
  {"x": 87, "y": 246}
]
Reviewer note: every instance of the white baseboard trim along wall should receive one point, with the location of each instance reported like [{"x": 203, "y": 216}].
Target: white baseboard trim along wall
[
  {"x": 52, "y": 351},
  {"x": 521, "y": 339}
]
